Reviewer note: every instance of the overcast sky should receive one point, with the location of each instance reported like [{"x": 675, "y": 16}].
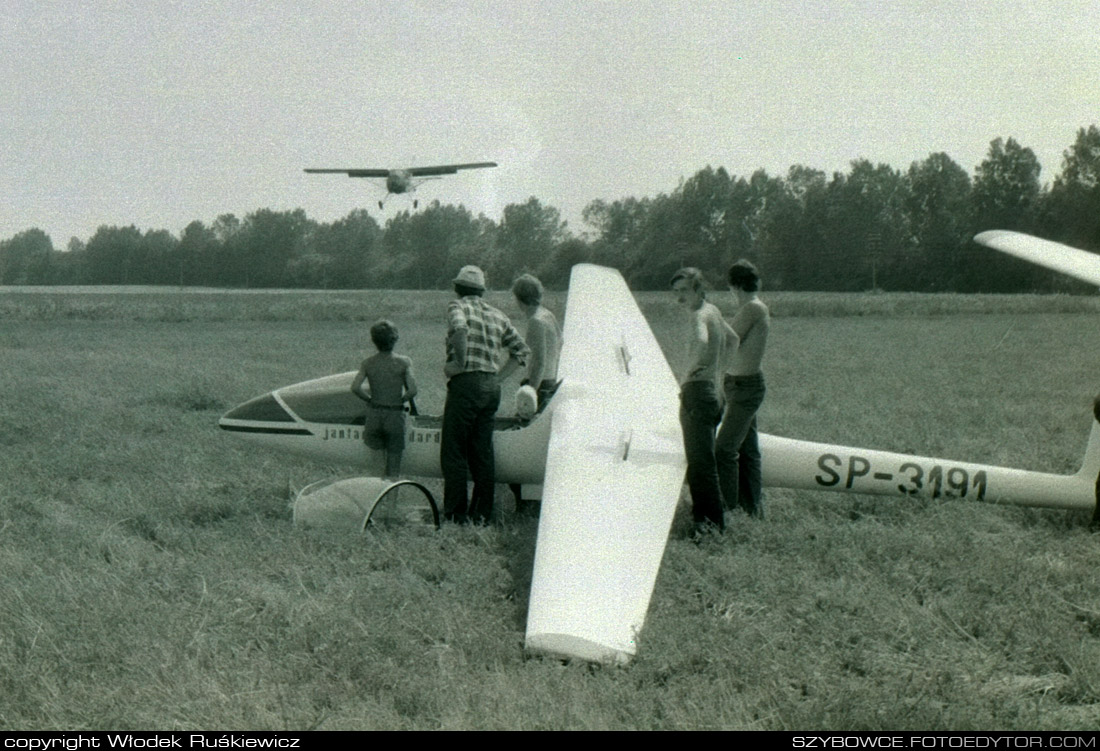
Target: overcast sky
[{"x": 157, "y": 113}]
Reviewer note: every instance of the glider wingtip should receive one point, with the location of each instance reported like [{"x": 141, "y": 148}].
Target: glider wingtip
[{"x": 991, "y": 235}]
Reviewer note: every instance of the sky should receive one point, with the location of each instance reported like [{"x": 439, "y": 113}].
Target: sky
[{"x": 157, "y": 113}]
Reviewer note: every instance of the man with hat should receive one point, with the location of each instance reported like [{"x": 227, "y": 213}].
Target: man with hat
[{"x": 478, "y": 338}]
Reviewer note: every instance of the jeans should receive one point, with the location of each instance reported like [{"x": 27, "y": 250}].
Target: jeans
[
  {"x": 737, "y": 447},
  {"x": 466, "y": 445},
  {"x": 699, "y": 412}
]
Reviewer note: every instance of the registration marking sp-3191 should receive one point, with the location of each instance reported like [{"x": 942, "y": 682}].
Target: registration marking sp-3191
[{"x": 916, "y": 479}]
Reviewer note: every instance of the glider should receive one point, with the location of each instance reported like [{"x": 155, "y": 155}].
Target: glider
[{"x": 606, "y": 457}]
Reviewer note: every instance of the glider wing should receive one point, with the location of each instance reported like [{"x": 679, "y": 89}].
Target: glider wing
[
  {"x": 1077, "y": 263},
  {"x": 614, "y": 471}
]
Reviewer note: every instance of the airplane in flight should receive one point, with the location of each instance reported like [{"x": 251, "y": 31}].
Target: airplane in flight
[
  {"x": 611, "y": 432},
  {"x": 405, "y": 180}
]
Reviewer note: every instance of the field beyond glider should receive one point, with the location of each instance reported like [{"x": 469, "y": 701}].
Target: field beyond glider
[{"x": 152, "y": 578}]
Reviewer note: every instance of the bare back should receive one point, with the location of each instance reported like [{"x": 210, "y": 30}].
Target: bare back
[
  {"x": 751, "y": 325},
  {"x": 386, "y": 373}
]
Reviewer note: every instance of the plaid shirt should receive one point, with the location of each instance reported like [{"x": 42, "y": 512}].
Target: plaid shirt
[{"x": 488, "y": 334}]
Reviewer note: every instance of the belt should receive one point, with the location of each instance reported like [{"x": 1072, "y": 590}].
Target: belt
[
  {"x": 758, "y": 376},
  {"x": 398, "y": 408},
  {"x": 478, "y": 373}
]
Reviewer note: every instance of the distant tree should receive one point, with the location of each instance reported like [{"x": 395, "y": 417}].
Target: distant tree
[
  {"x": 936, "y": 204},
  {"x": 788, "y": 226},
  {"x": 112, "y": 255},
  {"x": 68, "y": 266},
  {"x": 1006, "y": 187},
  {"x": 863, "y": 212},
  {"x": 156, "y": 260},
  {"x": 351, "y": 246},
  {"x": 708, "y": 222},
  {"x": 27, "y": 258},
  {"x": 197, "y": 256},
  {"x": 311, "y": 270},
  {"x": 268, "y": 242},
  {"x": 619, "y": 228},
  {"x": 526, "y": 238},
  {"x": 478, "y": 246},
  {"x": 1074, "y": 201},
  {"x": 661, "y": 247},
  {"x": 421, "y": 249},
  {"x": 227, "y": 268},
  {"x": 567, "y": 254},
  {"x": 1005, "y": 195}
]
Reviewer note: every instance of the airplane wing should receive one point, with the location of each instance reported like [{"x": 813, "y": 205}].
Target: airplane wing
[
  {"x": 1080, "y": 264},
  {"x": 447, "y": 169},
  {"x": 350, "y": 172},
  {"x": 614, "y": 471}
]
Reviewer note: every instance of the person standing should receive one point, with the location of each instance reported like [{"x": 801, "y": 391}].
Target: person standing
[
  {"x": 737, "y": 446},
  {"x": 543, "y": 336},
  {"x": 699, "y": 407},
  {"x": 478, "y": 337},
  {"x": 390, "y": 383}
]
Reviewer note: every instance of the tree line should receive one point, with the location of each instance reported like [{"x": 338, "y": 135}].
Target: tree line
[{"x": 871, "y": 228}]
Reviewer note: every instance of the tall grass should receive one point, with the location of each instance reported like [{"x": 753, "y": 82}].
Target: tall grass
[{"x": 151, "y": 577}]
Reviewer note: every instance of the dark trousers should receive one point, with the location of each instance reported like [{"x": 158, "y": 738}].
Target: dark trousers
[
  {"x": 737, "y": 447},
  {"x": 466, "y": 445},
  {"x": 699, "y": 413}
]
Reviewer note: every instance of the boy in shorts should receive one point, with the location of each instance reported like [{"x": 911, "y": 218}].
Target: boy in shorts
[{"x": 390, "y": 384}]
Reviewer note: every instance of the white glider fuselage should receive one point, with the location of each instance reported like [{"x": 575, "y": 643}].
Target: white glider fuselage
[{"x": 322, "y": 420}]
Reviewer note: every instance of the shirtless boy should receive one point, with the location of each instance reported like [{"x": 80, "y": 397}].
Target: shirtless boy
[{"x": 737, "y": 447}]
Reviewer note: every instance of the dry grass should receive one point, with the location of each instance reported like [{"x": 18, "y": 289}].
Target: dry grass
[{"x": 151, "y": 577}]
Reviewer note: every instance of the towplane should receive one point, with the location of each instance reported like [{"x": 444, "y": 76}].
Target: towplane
[
  {"x": 403, "y": 180},
  {"x": 611, "y": 432}
]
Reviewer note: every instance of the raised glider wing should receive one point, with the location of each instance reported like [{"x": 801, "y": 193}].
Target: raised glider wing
[
  {"x": 403, "y": 180},
  {"x": 1079, "y": 264},
  {"x": 614, "y": 469}
]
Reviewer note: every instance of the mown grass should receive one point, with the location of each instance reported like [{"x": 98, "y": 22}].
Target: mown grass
[
  {"x": 151, "y": 577},
  {"x": 177, "y": 305}
]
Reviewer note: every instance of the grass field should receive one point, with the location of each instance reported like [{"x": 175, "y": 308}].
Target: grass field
[{"x": 150, "y": 577}]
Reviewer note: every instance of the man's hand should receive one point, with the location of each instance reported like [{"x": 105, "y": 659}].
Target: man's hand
[{"x": 451, "y": 368}]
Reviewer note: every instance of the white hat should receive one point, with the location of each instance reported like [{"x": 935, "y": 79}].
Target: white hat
[{"x": 471, "y": 276}]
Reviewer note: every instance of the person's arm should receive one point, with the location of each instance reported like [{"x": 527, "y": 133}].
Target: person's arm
[
  {"x": 457, "y": 361},
  {"x": 456, "y": 340},
  {"x": 745, "y": 319},
  {"x": 518, "y": 351},
  {"x": 704, "y": 346},
  {"x": 356, "y": 385},
  {"x": 410, "y": 383},
  {"x": 733, "y": 340}
]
